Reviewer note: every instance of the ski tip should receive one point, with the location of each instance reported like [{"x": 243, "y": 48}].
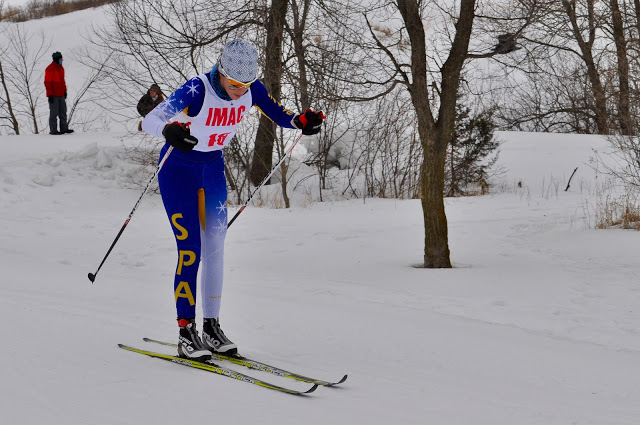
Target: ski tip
[
  {"x": 333, "y": 384},
  {"x": 312, "y": 389}
]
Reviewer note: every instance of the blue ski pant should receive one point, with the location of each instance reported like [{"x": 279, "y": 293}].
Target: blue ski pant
[{"x": 194, "y": 193}]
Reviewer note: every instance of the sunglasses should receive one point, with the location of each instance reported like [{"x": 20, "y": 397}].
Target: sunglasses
[{"x": 234, "y": 84}]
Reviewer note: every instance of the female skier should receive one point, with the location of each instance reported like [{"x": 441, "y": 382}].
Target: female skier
[{"x": 193, "y": 184}]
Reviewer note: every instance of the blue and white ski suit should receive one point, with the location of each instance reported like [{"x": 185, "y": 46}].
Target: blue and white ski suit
[{"x": 193, "y": 184}]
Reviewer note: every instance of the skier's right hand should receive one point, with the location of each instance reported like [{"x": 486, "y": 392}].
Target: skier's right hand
[
  {"x": 50, "y": 99},
  {"x": 179, "y": 136}
]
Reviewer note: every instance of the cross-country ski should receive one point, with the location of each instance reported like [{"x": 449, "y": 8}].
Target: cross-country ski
[
  {"x": 209, "y": 366},
  {"x": 254, "y": 364}
]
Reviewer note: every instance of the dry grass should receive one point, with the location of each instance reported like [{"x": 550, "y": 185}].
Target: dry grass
[{"x": 621, "y": 213}]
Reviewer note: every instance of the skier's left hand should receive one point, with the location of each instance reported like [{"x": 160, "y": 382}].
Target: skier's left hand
[{"x": 309, "y": 122}]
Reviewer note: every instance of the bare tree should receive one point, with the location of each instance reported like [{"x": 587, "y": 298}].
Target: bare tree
[
  {"x": 619, "y": 38},
  {"x": 391, "y": 165},
  {"x": 584, "y": 28},
  {"x": 23, "y": 67},
  {"x": 300, "y": 11},
  {"x": 86, "y": 106},
  {"x": 313, "y": 80},
  {"x": 273, "y": 70},
  {"x": 435, "y": 133},
  {"x": 396, "y": 53},
  {"x": 622, "y": 161},
  {"x": 297, "y": 71},
  {"x": 6, "y": 104},
  {"x": 575, "y": 71}
]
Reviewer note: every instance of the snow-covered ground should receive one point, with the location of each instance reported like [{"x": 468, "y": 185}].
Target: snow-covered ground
[{"x": 537, "y": 323}]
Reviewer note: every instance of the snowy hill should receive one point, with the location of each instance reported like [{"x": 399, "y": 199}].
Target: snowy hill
[
  {"x": 69, "y": 34},
  {"x": 537, "y": 323}
]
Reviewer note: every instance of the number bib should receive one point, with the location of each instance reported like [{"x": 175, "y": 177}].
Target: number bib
[{"x": 218, "y": 119}]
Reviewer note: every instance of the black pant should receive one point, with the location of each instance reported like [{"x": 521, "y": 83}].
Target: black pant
[{"x": 58, "y": 108}]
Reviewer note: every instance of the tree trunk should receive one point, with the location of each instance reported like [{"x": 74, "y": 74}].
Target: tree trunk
[
  {"x": 265, "y": 138},
  {"x": 12, "y": 116},
  {"x": 299, "y": 26},
  {"x": 624, "y": 111},
  {"x": 436, "y": 233},
  {"x": 600, "y": 100},
  {"x": 636, "y": 7},
  {"x": 283, "y": 184}
]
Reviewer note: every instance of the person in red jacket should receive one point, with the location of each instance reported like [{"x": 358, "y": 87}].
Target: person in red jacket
[{"x": 57, "y": 95}]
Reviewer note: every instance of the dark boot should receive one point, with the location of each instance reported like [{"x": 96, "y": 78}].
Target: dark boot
[
  {"x": 189, "y": 344},
  {"x": 215, "y": 340}
]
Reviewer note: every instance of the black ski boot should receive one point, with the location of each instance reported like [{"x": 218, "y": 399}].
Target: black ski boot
[
  {"x": 215, "y": 340},
  {"x": 189, "y": 344}
]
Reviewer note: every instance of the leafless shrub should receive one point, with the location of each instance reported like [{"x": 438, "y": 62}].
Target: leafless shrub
[
  {"x": 619, "y": 212},
  {"x": 390, "y": 154},
  {"x": 621, "y": 161},
  {"x": 21, "y": 77}
]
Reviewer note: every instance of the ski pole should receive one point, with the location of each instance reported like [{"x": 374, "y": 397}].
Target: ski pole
[
  {"x": 92, "y": 276},
  {"x": 264, "y": 181}
]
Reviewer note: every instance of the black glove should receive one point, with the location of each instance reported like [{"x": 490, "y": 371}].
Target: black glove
[
  {"x": 50, "y": 99},
  {"x": 309, "y": 122},
  {"x": 179, "y": 136},
  {"x": 65, "y": 95}
]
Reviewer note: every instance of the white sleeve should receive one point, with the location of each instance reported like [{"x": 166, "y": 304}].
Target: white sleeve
[
  {"x": 154, "y": 124},
  {"x": 184, "y": 96}
]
